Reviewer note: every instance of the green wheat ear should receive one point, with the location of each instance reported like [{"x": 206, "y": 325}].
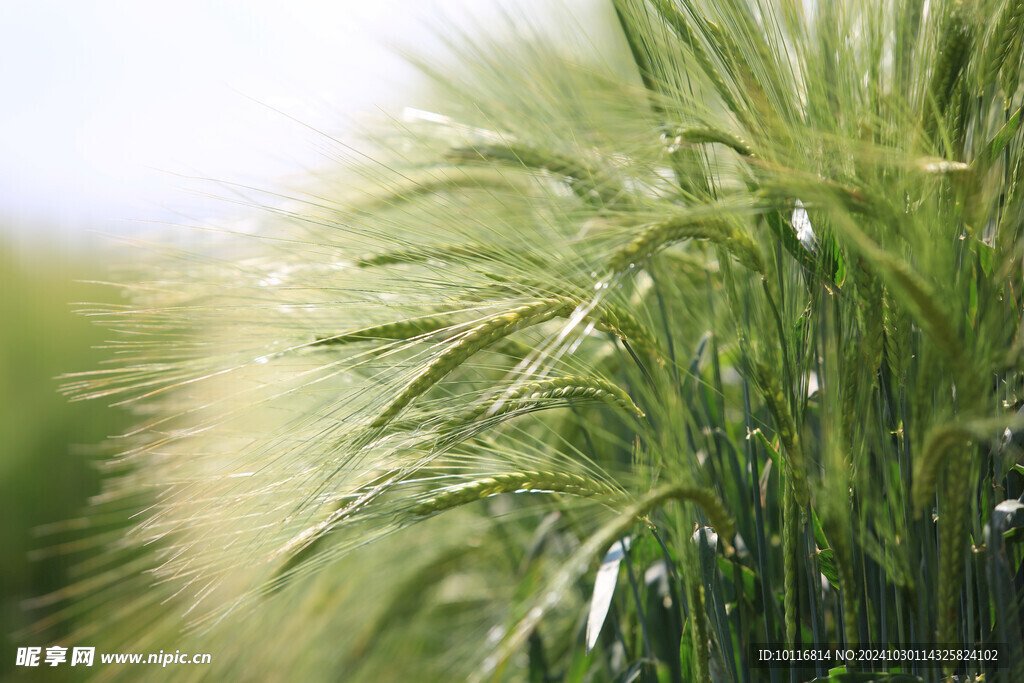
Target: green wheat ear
[
  {"x": 559, "y": 389},
  {"x": 553, "y": 482},
  {"x": 748, "y": 265},
  {"x": 954, "y": 52},
  {"x": 472, "y": 341}
]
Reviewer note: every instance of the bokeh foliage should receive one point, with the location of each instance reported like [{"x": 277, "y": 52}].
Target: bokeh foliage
[{"x": 49, "y": 445}]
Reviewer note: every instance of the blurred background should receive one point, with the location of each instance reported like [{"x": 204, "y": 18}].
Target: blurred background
[{"x": 115, "y": 116}]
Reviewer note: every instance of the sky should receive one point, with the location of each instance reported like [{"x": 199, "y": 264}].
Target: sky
[{"x": 111, "y": 108}]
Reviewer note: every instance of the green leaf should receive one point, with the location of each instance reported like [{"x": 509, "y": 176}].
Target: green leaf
[
  {"x": 748, "y": 579},
  {"x": 998, "y": 143},
  {"x": 538, "y": 666},
  {"x": 986, "y": 256},
  {"x": 578, "y": 667},
  {"x": 783, "y": 231},
  {"x": 827, "y": 565},
  {"x": 686, "y": 648},
  {"x": 604, "y": 589},
  {"x": 841, "y": 675},
  {"x": 819, "y": 533}
]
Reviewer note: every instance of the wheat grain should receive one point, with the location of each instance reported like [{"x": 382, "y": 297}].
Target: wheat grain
[
  {"x": 954, "y": 510},
  {"x": 946, "y": 445}
]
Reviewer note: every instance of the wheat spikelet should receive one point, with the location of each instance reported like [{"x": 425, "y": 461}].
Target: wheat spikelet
[
  {"x": 895, "y": 324},
  {"x": 1009, "y": 74},
  {"x": 309, "y": 542},
  {"x": 477, "y": 338},
  {"x": 870, "y": 294},
  {"x": 554, "y": 482},
  {"x": 952, "y": 55},
  {"x": 491, "y": 331},
  {"x": 413, "y": 185},
  {"x": 954, "y": 511},
  {"x": 775, "y": 399},
  {"x": 590, "y": 184},
  {"x": 709, "y": 503},
  {"x": 559, "y": 388},
  {"x": 724, "y": 43},
  {"x": 706, "y": 134},
  {"x": 679, "y": 228},
  {"x": 790, "y": 542},
  {"x": 618, "y": 321},
  {"x": 941, "y": 441},
  {"x": 1003, "y": 38},
  {"x": 397, "y": 330},
  {"x": 916, "y": 294},
  {"x": 695, "y": 595},
  {"x": 447, "y": 252}
]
